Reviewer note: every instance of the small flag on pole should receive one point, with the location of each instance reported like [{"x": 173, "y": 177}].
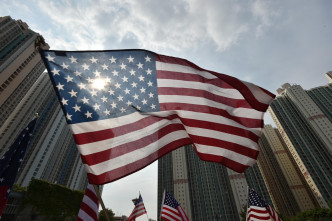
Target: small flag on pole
[
  {"x": 258, "y": 209},
  {"x": 11, "y": 162},
  {"x": 171, "y": 209},
  {"x": 138, "y": 210},
  {"x": 89, "y": 206},
  {"x": 127, "y": 108}
]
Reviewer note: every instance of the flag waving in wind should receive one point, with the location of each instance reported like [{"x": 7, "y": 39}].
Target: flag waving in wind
[
  {"x": 258, "y": 209},
  {"x": 89, "y": 206},
  {"x": 138, "y": 210},
  {"x": 11, "y": 162},
  {"x": 127, "y": 108},
  {"x": 171, "y": 209}
]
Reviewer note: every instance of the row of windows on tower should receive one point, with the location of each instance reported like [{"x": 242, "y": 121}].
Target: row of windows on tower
[{"x": 18, "y": 70}]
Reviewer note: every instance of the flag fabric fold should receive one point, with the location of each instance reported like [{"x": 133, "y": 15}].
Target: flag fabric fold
[
  {"x": 171, "y": 209},
  {"x": 89, "y": 207},
  {"x": 127, "y": 108},
  {"x": 138, "y": 210},
  {"x": 258, "y": 209},
  {"x": 11, "y": 162}
]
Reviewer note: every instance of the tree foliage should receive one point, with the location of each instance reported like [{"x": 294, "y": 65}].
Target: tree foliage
[
  {"x": 312, "y": 215},
  {"x": 55, "y": 202},
  {"x": 243, "y": 213},
  {"x": 109, "y": 212},
  {"x": 318, "y": 214}
]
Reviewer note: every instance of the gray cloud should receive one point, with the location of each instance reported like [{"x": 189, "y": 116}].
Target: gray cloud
[{"x": 175, "y": 25}]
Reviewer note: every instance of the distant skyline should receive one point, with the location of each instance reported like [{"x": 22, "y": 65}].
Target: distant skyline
[{"x": 264, "y": 42}]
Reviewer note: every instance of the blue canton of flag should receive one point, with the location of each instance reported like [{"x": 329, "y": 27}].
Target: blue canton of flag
[
  {"x": 255, "y": 199},
  {"x": 100, "y": 85},
  {"x": 258, "y": 209},
  {"x": 11, "y": 162},
  {"x": 171, "y": 209}
]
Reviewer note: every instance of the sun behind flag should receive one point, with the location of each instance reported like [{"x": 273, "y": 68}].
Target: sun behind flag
[
  {"x": 258, "y": 209},
  {"x": 89, "y": 206},
  {"x": 127, "y": 108},
  {"x": 171, "y": 209},
  {"x": 138, "y": 210},
  {"x": 11, "y": 162}
]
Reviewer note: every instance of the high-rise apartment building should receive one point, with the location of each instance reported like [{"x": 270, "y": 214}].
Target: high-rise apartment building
[
  {"x": 25, "y": 90},
  {"x": 288, "y": 190},
  {"x": 304, "y": 120},
  {"x": 202, "y": 188},
  {"x": 256, "y": 181},
  {"x": 20, "y": 67},
  {"x": 239, "y": 188}
]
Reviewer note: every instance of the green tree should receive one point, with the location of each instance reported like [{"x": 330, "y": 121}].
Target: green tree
[
  {"x": 243, "y": 213},
  {"x": 318, "y": 214},
  {"x": 53, "y": 201},
  {"x": 109, "y": 212}
]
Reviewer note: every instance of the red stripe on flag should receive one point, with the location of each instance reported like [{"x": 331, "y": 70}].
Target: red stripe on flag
[
  {"x": 221, "y": 128},
  {"x": 255, "y": 217},
  {"x": 119, "y": 150},
  {"x": 193, "y": 77},
  {"x": 226, "y": 145},
  {"x": 89, "y": 205},
  {"x": 3, "y": 198},
  {"x": 87, "y": 209},
  {"x": 247, "y": 122},
  {"x": 236, "y": 103},
  {"x": 170, "y": 213},
  {"x": 238, "y": 167},
  {"x": 99, "y": 135},
  {"x": 139, "y": 164},
  {"x": 92, "y": 195}
]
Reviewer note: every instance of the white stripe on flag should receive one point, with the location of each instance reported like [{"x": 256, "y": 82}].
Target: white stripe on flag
[
  {"x": 136, "y": 155},
  {"x": 225, "y": 92},
  {"x": 208, "y": 118},
  {"x": 236, "y": 112},
  {"x": 89, "y": 148},
  {"x": 244, "y": 141}
]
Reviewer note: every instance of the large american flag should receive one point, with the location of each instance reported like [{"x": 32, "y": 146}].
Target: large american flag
[
  {"x": 171, "y": 209},
  {"x": 258, "y": 209},
  {"x": 89, "y": 207},
  {"x": 138, "y": 210},
  {"x": 127, "y": 108},
  {"x": 11, "y": 161}
]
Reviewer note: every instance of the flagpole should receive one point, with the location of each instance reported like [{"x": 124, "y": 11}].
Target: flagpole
[
  {"x": 162, "y": 202},
  {"x": 101, "y": 201},
  {"x": 247, "y": 202},
  {"x": 144, "y": 206}
]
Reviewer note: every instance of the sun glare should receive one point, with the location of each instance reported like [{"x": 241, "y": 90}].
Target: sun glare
[{"x": 99, "y": 84}]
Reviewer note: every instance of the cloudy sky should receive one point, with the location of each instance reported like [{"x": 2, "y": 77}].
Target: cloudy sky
[{"x": 265, "y": 42}]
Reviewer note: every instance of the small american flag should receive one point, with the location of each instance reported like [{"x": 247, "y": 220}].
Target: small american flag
[
  {"x": 128, "y": 108},
  {"x": 258, "y": 209},
  {"x": 11, "y": 162},
  {"x": 138, "y": 210},
  {"x": 89, "y": 206},
  {"x": 171, "y": 209}
]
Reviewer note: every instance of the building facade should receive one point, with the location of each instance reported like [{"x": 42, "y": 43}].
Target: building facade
[
  {"x": 303, "y": 118},
  {"x": 256, "y": 181},
  {"x": 20, "y": 67},
  {"x": 25, "y": 90},
  {"x": 202, "y": 188},
  {"x": 296, "y": 195}
]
